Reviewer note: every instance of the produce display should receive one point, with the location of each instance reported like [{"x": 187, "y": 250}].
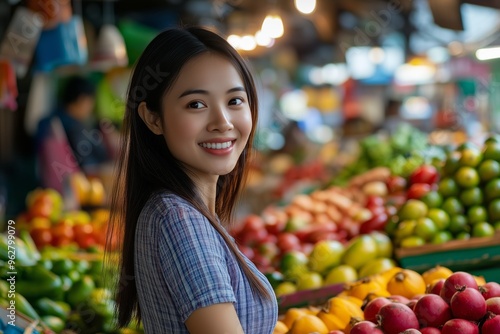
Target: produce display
[
  {"x": 459, "y": 201},
  {"x": 402, "y": 301}
]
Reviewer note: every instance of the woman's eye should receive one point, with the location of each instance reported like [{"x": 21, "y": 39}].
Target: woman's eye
[
  {"x": 196, "y": 105},
  {"x": 236, "y": 101}
]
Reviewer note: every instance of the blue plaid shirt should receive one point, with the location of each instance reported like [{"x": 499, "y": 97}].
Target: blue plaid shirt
[{"x": 182, "y": 264}]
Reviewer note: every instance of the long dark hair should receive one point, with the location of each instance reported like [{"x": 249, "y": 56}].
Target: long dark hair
[{"x": 146, "y": 165}]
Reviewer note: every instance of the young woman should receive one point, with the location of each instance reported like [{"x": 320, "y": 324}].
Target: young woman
[{"x": 188, "y": 130}]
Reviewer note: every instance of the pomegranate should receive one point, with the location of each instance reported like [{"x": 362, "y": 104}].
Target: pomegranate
[
  {"x": 493, "y": 305},
  {"x": 430, "y": 330},
  {"x": 468, "y": 304},
  {"x": 411, "y": 331},
  {"x": 396, "y": 317},
  {"x": 491, "y": 325},
  {"x": 365, "y": 327},
  {"x": 411, "y": 304},
  {"x": 435, "y": 287},
  {"x": 456, "y": 280},
  {"x": 373, "y": 307},
  {"x": 462, "y": 326},
  {"x": 398, "y": 299},
  {"x": 490, "y": 290},
  {"x": 431, "y": 310}
]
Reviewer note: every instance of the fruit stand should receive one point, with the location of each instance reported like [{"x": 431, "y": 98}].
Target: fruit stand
[{"x": 392, "y": 231}]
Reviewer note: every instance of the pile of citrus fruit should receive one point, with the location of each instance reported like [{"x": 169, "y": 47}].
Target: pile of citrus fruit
[
  {"x": 403, "y": 301},
  {"x": 463, "y": 203}
]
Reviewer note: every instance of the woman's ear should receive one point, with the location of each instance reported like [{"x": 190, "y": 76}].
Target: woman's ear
[{"x": 150, "y": 118}]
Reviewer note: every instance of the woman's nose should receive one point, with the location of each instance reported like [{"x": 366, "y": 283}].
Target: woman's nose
[{"x": 220, "y": 120}]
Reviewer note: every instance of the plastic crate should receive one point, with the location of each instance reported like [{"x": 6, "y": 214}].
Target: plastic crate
[{"x": 478, "y": 256}]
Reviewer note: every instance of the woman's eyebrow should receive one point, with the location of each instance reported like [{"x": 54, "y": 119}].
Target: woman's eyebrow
[{"x": 205, "y": 92}]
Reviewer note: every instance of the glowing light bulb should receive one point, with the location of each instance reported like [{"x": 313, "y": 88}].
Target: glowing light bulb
[
  {"x": 305, "y": 6},
  {"x": 234, "y": 40},
  {"x": 263, "y": 39},
  {"x": 273, "y": 26},
  {"x": 248, "y": 43}
]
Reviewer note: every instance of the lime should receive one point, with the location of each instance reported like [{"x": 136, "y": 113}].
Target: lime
[
  {"x": 494, "y": 210},
  {"x": 483, "y": 229},
  {"x": 497, "y": 226},
  {"x": 467, "y": 177},
  {"x": 451, "y": 164},
  {"x": 491, "y": 151},
  {"x": 488, "y": 170},
  {"x": 275, "y": 278},
  {"x": 425, "y": 228},
  {"x": 412, "y": 209},
  {"x": 458, "y": 224},
  {"x": 492, "y": 189},
  {"x": 442, "y": 237},
  {"x": 447, "y": 187},
  {"x": 405, "y": 229},
  {"x": 341, "y": 274},
  {"x": 463, "y": 236},
  {"x": 293, "y": 263},
  {"x": 440, "y": 217},
  {"x": 452, "y": 206},
  {"x": 285, "y": 288},
  {"x": 492, "y": 138},
  {"x": 80, "y": 291},
  {"x": 471, "y": 196},
  {"x": 432, "y": 199},
  {"x": 466, "y": 145},
  {"x": 477, "y": 214},
  {"x": 376, "y": 266},
  {"x": 310, "y": 280},
  {"x": 412, "y": 241},
  {"x": 470, "y": 157}
]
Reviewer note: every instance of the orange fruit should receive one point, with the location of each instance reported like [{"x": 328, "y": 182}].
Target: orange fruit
[
  {"x": 292, "y": 314},
  {"x": 280, "y": 328},
  {"x": 308, "y": 324},
  {"x": 435, "y": 273},
  {"x": 406, "y": 283}
]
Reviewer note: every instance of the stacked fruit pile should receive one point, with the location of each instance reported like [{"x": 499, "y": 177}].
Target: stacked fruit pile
[
  {"x": 402, "y": 301},
  {"x": 464, "y": 203},
  {"x": 331, "y": 262},
  {"x": 49, "y": 224}
]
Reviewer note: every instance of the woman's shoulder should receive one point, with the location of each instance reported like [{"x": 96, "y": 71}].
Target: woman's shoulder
[{"x": 168, "y": 204}]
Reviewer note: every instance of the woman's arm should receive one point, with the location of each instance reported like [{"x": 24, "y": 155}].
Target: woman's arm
[{"x": 215, "y": 319}]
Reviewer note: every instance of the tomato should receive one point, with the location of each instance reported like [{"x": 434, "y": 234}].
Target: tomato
[
  {"x": 376, "y": 223},
  {"x": 372, "y": 201},
  {"x": 84, "y": 235},
  {"x": 395, "y": 183},
  {"x": 62, "y": 233},
  {"x": 42, "y": 236},
  {"x": 417, "y": 190},
  {"x": 253, "y": 223},
  {"x": 288, "y": 242},
  {"x": 425, "y": 174}
]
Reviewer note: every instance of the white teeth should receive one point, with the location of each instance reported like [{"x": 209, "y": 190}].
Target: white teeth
[{"x": 216, "y": 146}]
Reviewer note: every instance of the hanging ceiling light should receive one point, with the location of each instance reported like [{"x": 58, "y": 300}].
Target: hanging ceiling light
[
  {"x": 305, "y": 6},
  {"x": 273, "y": 26}
]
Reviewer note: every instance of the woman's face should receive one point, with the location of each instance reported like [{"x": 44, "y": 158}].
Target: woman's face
[{"x": 206, "y": 116}]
